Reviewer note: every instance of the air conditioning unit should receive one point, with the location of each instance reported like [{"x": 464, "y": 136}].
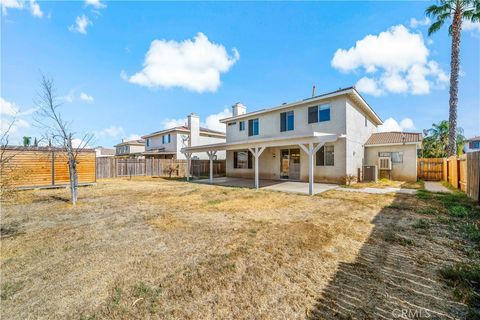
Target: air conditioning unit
[
  {"x": 384, "y": 163},
  {"x": 370, "y": 174}
]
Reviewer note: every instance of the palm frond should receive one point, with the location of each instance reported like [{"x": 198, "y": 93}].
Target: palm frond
[
  {"x": 435, "y": 11},
  {"x": 435, "y": 27}
]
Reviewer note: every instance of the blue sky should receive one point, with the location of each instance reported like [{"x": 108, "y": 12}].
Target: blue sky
[{"x": 203, "y": 57}]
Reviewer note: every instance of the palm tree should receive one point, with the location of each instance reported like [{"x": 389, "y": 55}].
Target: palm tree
[
  {"x": 457, "y": 11},
  {"x": 436, "y": 139}
]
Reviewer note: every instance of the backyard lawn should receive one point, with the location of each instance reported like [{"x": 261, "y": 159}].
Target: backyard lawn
[{"x": 153, "y": 248}]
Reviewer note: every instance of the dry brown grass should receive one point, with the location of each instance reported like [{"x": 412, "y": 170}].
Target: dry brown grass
[
  {"x": 385, "y": 183},
  {"x": 151, "y": 248}
]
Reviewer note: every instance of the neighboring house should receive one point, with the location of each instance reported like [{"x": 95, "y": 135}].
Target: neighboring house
[
  {"x": 167, "y": 144},
  {"x": 102, "y": 152},
  {"x": 321, "y": 138},
  {"x": 130, "y": 148},
  {"x": 472, "y": 145}
]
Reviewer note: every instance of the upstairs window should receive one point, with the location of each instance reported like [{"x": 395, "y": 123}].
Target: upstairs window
[
  {"x": 286, "y": 121},
  {"x": 319, "y": 113},
  {"x": 242, "y": 159},
  {"x": 166, "y": 138},
  {"x": 253, "y": 127},
  {"x": 324, "y": 113},
  {"x": 366, "y": 121},
  {"x": 241, "y": 125},
  {"x": 231, "y": 124},
  {"x": 148, "y": 142},
  {"x": 325, "y": 156}
]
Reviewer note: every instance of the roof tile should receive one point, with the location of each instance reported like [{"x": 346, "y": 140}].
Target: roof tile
[{"x": 393, "y": 138}]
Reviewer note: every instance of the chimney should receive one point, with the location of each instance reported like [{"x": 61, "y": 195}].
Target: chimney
[
  {"x": 238, "y": 109},
  {"x": 124, "y": 139},
  {"x": 193, "y": 123},
  {"x": 313, "y": 91}
]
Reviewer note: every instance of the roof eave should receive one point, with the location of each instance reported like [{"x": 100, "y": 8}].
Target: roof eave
[{"x": 319, "y": 98}]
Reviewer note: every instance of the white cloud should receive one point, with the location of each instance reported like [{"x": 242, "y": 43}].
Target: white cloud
[
  {"x": 8, "y": 108},
  {"x": 396, "y": 61},
  {"x": 10, "y": 4},
  {"x": 79, "y": 143},
  {"x": 468, "y": 25},
  {"x": 11, "y": 109},
  {"x": 35, "y": 9},
  {"x": 414, "y": 23},
  {"x": 170, "y": 123},
  {"x": 112, "y": 131},
  {"x": 81, "y": 24},
  {"x": 195, "y": 64},
  {"x": 391, "y": 124},
  {"x": 85, "y": 97},
  {"x": 97, "y": 4},
  {"x": 32, "y": 5},
  {"x": 134, "y": 136},
  {"x": 212, "y": 121},
  {"x": 407, "y": 124},
  {"x": 368, "y": 86}
]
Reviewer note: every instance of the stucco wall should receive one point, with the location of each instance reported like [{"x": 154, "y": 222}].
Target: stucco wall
[
  {"x": 406, "y": 171},
  {"x": 269, "y": 165},
  {"x": 176, "y": 144},
  {"x": 269, "y": 123},
  {"x": 137, "y": 149},
  {"x": 357, "y": 135}
]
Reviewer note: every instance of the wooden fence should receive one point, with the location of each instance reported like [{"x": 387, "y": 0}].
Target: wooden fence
[
  {"x": 44, "y": 167},
  {"x": 473, "y": 170},
  {"x": 117, "y": 167},
  {"x": 461, "y": 172},
  {"x": 430, "y": 169}
]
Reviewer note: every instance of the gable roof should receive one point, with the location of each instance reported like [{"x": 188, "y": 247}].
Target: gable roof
[
  {"x": 351, "y": 92},
  {"x": 473, "y": 139},
  {"x": 383, "y": 138},
  {"x": 138, "y": 142},
  {"x": 184, "y": 129}
]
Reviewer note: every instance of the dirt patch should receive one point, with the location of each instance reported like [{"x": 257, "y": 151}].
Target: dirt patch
[{"x": 151, "y": 248}]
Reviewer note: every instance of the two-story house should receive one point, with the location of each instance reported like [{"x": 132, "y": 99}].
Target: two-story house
[
  {"x": 322, "y": 138},
  {"x": 472, "y": 145},
  {"x": 167, "y": 144},
  {"x": 130, "y": 148}
]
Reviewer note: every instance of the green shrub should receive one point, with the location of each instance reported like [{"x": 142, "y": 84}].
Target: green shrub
[
  {"x": 421, "y": 224},
  {"x": 458, "y": 211},
  {"x": 471, "y": 231},
  {"x": 426, "y": 211},
  {"x": 465, "y": 278}
]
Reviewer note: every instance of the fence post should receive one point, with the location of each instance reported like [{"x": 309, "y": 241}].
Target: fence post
[{"x": 53, "y": 168}]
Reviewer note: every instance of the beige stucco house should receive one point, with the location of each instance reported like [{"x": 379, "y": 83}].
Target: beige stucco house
[
  {"x": 168, "y": 143},
  {"x": 322, "y": 139},
  {"x": 130, "y": 148}
]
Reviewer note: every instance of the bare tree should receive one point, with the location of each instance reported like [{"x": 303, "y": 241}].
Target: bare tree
[{"x": 58, "y": 131}]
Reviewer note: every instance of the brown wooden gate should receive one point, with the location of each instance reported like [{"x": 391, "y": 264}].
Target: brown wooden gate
[{"x": 430, "y": 169}]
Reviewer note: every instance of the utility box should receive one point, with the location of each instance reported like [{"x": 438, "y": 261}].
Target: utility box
[{"x": 370, "y": 174}]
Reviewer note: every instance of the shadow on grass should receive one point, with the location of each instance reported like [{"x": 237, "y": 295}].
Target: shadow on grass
[{"x": 395, "y": 275}]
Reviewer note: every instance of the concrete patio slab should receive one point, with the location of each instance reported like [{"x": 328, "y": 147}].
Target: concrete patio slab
[
  {"x": 273, "y": 185},
  {"x": 435, "y": 186}
]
